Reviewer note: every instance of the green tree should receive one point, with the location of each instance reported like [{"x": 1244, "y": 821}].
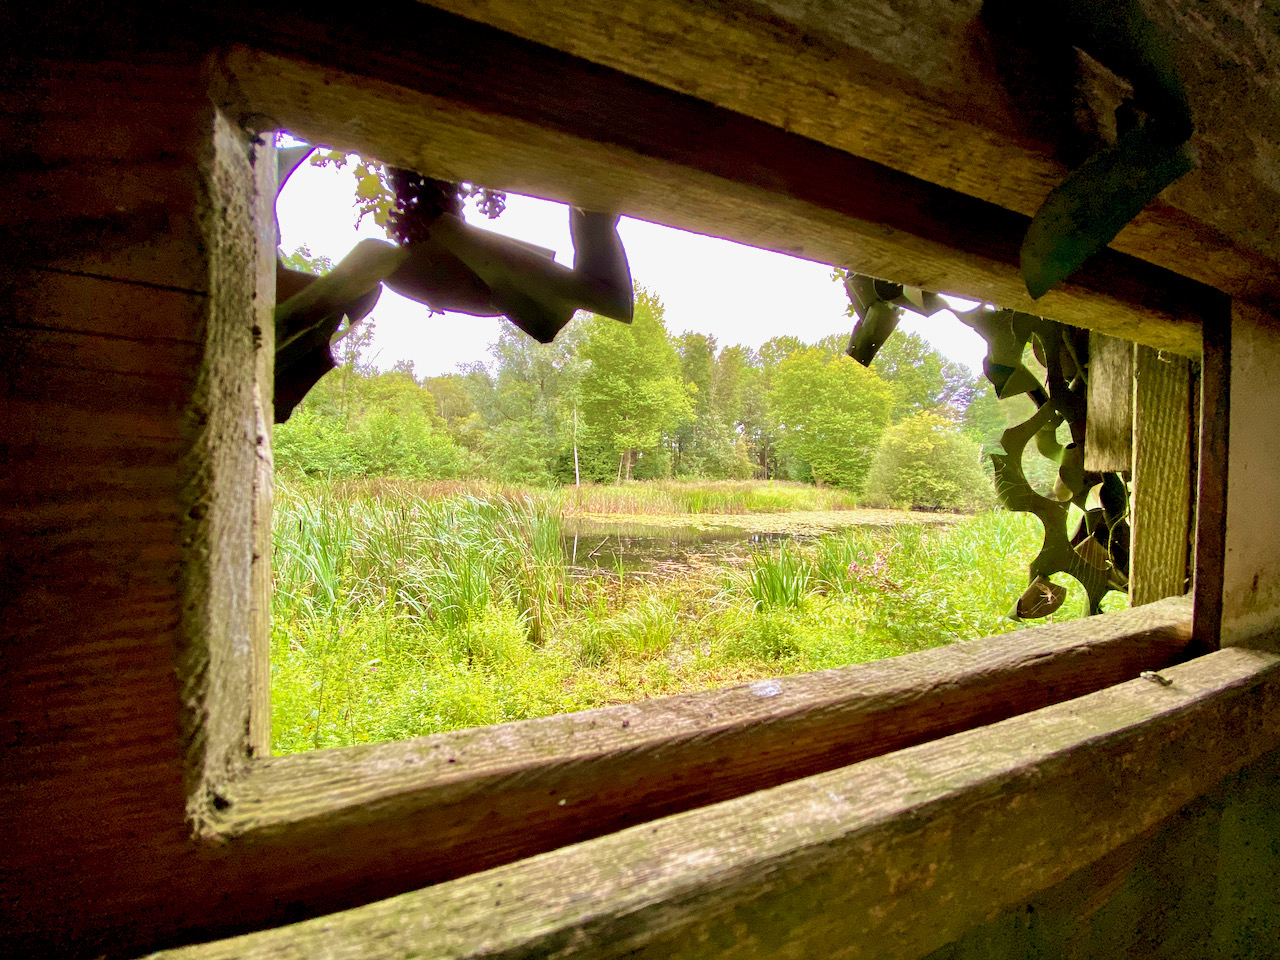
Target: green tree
[
  {"x": 773, "y": 352},
  {"x": 525, "y": 403},
  {"x": 915, "y": 371},
  {"x": 984, "y": 417},
  {"x": 631, "y": 392},
  {"x": 697, "y": 353},
  {"x": 927, "y": 461},
  {"x": 304, "y": 261},
  {"x": 830, "y": 413}
]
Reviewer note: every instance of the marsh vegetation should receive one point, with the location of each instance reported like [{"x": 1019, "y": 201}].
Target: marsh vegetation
[
  {"x": 621, "y": 514},
  {"x": 405, "y": 608}
]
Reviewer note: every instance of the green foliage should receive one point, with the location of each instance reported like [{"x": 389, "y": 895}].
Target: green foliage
[
  {"x": 402, "y": 609},
  {"x": 304, "y": 261},
  {"x": 926, "y": 461},
  {"x": 631, "y": 391},
  {"x": 356, "y": 425},
  {"x": 778, "y": 580},
  {"x": 923, "y": 380},
  {"x": 831, "y": 413}
]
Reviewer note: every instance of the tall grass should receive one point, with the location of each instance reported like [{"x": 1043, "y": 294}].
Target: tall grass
[
  {"x": 652, "y": 497},
  {"x": 403, "y": 609},
  {"x": 778, "y": 580},
  {"x": 677, "y": 498}
]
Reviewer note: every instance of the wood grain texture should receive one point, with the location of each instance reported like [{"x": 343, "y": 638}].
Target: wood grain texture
[
  {"x": 86, "y": 192},
  {"x": 1251, "y": 574},
  {"x": 122, "y": 368},
  {"x": 1108, "y": 440},
  {"x": 1161, "y": 494},
  {"x": 928, "y": 89},
  {"x": 216, "y": 656},
  {"x": 1212, "y": 475},
  {"x": 1201, "y": 885},
  {"x": 515, "y": 117},
  {"x": 888, "y": 858},
  {"x": 265, "y": 243},
  {"x": 337, "y": 827},
  {"x": 126, "y": 547}
]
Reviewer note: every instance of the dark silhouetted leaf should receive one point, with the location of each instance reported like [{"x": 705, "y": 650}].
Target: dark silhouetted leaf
[
  {"x": 872, "y": 330},
  {"x": 1041, "y": 599},
  {"x": 1086, "y": 211},
  {"x": 289, "y": 159},
  {"x": 307, "y": 321}
]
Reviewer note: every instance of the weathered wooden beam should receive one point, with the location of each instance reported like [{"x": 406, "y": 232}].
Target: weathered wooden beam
[
  {"x": 469, "y": 102},
  {"x": 1161, "y": 501},
  {"x": 333, "y": 828},
  {"x": 892, "y": 857},
  {"x": 128, "y": 301},
  {"x": 1251, "y": 547},
  {"x": 935, "y": 90},
  {"x": 262, "y": 584},
  {"x": 1108, "y": 439},
  {"x": 1212, "y": 476}
]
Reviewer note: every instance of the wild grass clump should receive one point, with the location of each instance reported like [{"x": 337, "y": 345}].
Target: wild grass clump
[
  {"x": 778, "y": 580},
  {"x": 401, "y": 610}
]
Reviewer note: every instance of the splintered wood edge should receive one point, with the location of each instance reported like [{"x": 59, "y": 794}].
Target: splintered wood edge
[
  {"x": 715, "y": 172},
  {"x": 891, "y": 857},
  {"x": 581, "y": 774}
]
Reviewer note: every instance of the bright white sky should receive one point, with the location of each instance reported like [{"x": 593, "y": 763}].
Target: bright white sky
[{"x": 737, "y": 294}]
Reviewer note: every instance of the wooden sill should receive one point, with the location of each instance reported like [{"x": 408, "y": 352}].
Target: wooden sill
[
  {"x": 899, "y": 854},
  {"x": 336, "y": 828}
]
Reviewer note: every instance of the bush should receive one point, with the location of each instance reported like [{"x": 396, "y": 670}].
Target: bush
[
  {"x": 925, "y": 461},
  {"x": 382, "y": 444}
]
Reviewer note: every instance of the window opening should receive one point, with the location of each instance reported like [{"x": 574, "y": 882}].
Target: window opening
[{"x": 524, "y": 536}]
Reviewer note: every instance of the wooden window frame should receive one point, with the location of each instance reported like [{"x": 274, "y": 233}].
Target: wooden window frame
[{"x": 337, "y": 829}]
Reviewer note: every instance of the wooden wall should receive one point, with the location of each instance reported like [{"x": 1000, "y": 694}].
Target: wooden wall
[
  {"x": 136, "y": 310},
  {"x": 1200, "y": 886},
  {"x": 1251, "y": 590},
  {"x": 132, "y": 310}
]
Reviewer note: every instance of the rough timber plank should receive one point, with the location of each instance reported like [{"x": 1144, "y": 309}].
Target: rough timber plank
[
  {"x": 476, "y": 105},
  {"x": 217, "y": 660},
  {"x": 890, "y": 858},
  {"x": 1108, "y": 440},
  {"x": 927, "y": 88},
  {"x": 1161, "y": 477},
  {"x": 1251, "y": 577},
  {"x": 264, "y": 168},
  {"x": 121, "y": 374},
  {"x": 342, "y": 826},
  {"x": 102, "y": 184},
  {"x": 1212, "y": 477}
]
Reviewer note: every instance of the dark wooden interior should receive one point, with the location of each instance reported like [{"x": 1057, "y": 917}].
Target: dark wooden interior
[{"x": 995, "y": 798}]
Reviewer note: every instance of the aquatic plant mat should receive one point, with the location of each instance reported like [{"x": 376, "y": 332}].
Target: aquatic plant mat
[{"x": 402, "y": 610}]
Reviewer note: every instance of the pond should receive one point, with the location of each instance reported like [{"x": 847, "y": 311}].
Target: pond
[{"x": 668, "y": 545}]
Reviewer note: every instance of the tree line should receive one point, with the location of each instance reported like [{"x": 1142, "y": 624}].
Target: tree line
[{"x": 608, "y": 402}]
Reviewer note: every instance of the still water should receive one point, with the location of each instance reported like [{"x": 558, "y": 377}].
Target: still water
[{"x": 592, "y": 545}]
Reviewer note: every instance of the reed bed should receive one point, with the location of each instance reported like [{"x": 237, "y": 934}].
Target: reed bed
[
  {"x": 404, "y": 608},
  {"x": 647, "y": 497}
]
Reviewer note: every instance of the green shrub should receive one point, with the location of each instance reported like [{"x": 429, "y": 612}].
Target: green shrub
[
  {"x": 926, "y": 461},
  {"x": 769, "y": 635},
  {"x": 382, "y": 444}
]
